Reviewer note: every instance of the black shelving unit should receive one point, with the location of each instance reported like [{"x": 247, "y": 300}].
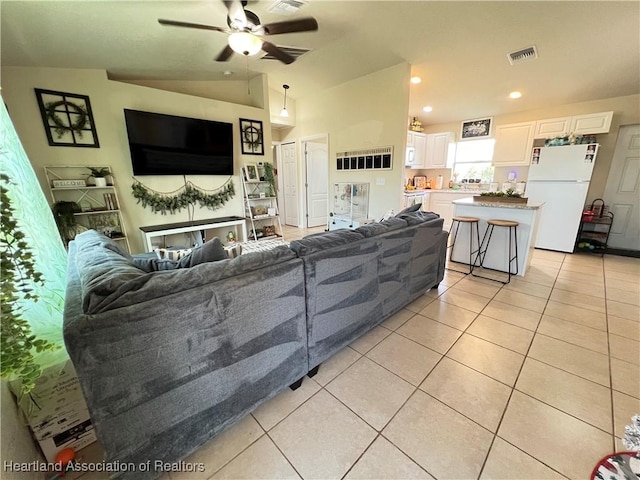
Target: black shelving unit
[{"x": 595, "y": 227}]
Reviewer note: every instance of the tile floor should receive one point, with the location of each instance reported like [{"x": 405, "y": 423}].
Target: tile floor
[{"x": 474, "y": 380}]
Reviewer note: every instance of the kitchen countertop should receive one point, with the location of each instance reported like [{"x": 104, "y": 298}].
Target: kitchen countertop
[
  {"x": 444, "y": 190},
  {"x": 521, "y": 206}
]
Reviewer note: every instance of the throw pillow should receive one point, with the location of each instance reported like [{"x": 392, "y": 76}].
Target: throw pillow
[
  {"x": 410, "y": 209},
  {"x": 211, "y": 251}
]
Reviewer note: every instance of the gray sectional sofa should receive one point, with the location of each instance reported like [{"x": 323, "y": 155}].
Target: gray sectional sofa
[{"x": 169, "y": 359}]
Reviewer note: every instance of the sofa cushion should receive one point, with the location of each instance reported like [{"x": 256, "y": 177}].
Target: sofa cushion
[
  {"x": 103, "y": 268},
  {"x": 324, "y": 240},
  {"x": 210, "y": 251},
  {"x": 409, "y": 209},
  {"x": 414, "y": 218},
  {"x": 155, "y": 285},
  {"x": 372, "y": 229},
  {"x": 394, "y": 223}
]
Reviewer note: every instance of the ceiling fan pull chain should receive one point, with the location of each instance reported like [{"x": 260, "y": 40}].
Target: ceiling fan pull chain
[{"x": 246, "y": 66}]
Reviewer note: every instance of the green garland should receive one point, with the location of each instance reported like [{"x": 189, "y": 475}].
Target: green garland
[
  {"x": 187, "y": 195},
  {"x": 61, "y": 127}
]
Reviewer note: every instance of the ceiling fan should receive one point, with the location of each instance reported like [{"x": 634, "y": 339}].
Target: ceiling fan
[{"x": 246, "y": 33}]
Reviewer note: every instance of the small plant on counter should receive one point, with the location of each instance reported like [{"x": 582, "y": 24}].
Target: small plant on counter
[{"x": 508, "y": 193}]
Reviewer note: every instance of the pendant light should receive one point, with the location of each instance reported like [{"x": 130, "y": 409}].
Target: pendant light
[{"x": 284, "y": 112}]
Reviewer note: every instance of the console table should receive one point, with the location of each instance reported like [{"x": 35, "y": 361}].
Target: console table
[{"x": 193, "y": 226}]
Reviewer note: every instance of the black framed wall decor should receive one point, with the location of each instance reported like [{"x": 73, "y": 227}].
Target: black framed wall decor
[
  {"x": 67, "y": 118},
  {"x": 251, "y": 137}
]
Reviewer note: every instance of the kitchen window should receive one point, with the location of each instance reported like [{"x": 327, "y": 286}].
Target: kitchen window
[{"x": 473, "y": 160}]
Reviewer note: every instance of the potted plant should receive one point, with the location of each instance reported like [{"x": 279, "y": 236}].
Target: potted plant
[
  {"x": 64, "y": 214},
  {"x": 99, "y": 175}
]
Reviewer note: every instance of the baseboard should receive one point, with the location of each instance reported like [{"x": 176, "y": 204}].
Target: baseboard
[{"x": 623, "y": 252}]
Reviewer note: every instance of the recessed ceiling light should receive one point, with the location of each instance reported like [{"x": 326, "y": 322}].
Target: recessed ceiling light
[
  {"x": 416, "y": 80},
  {"x": 515, "y": 95},
  {"x": 427, "y": 109}
]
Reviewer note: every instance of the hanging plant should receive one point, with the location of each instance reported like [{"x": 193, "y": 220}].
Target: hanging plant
[
  {"x": 19, "y": 277},
  {"x": 188, "y": 195},
  {"x": 270, "y": 177},
  {"x": 64, "y": 215},
  {"x": 60, "y": 126}
]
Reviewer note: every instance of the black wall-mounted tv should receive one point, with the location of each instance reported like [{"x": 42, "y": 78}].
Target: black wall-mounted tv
[{"x": 169, "y": 145}]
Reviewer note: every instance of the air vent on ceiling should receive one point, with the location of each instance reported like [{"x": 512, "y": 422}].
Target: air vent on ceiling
[
  {"x": 286, "y": 7},
  {"x": 293, "y": 51},
  {"x": 523, "y": 55}
]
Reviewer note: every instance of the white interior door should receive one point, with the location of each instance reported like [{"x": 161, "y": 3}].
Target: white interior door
[
  {"x": 290, "y": 184},
  {"x": 622, "y": 192},
  {"x": 316, "y": 154}
]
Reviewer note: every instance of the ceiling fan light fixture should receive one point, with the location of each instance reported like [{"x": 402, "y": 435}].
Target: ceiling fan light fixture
[
  {"x": 284, "y": 112},
  {"x": 245, "y": 43}
]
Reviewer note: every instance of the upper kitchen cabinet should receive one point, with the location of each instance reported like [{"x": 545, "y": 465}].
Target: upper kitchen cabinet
[
  {"x": 591, "y": 124},
  {"x": 416, "y": 150},
  {"x": 439, "y": 148},
  {"x": 553, "y": 127},
  {"x": 513, "y": 144}
]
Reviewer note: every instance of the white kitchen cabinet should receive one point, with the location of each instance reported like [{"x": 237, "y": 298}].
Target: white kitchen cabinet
[
  {"x": 442, "y": 204},
  {"x": 553, "y": 127},
  {"x": 417, "y": 141},
  {"x": 513, "y": 144},
  {"x": 438, "y": 148},
  {"x": 591, "y": 124}
]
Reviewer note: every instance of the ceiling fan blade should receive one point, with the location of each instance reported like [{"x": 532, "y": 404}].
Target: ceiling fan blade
[
  {"x": 277, "y": 52},
  {"x": 236, "y": 12},
  {"x": 306, "y": 24},
  {"x": 174, "y": 23},
  {"x": 225, "y": 54}
]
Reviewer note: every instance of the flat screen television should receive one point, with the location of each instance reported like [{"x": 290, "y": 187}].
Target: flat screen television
[{"x": 169, "y": 145}]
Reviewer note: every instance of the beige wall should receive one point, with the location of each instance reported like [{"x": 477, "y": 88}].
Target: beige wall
[
  {"x": 626, "y": 111},
  {"x": 368, "y": 112},
  {"x": 232, "y": 91},
  {"x": 108, "y": 99}
]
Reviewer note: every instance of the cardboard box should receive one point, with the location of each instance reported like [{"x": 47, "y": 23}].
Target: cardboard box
[
  {"x": 76, "y": 436},
  {"x": 56, "y": 411}
]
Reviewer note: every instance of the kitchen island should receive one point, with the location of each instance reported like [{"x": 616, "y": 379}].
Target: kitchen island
[{"x": 526, "y": 214}]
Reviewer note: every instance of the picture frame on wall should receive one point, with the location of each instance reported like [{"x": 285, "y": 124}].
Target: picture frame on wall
[
  {"x": 476, "y": 129},
  {"x": 251, "y": 137},
  {"x": 67, "y": 118}
]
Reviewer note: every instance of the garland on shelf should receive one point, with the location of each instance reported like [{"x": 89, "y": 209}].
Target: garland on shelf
[
  {"x": 183, "y": 197},
  {"x": 62, "y": 127}
]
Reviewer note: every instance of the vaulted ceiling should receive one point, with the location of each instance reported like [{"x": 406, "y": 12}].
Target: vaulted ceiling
[{"x": 587, "y": 50}]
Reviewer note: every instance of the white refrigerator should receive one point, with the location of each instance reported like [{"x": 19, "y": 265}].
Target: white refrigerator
[{"x": 559, "y": 177}]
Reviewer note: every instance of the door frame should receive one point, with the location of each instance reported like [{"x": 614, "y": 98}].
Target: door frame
[
  {"x": 281, "y": 200},
  {"x": 304, "y": 199}
]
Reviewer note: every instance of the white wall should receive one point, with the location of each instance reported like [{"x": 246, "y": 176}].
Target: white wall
[
  {"x": 108, "y": 99},
  {"x": 367, "y": 112}
]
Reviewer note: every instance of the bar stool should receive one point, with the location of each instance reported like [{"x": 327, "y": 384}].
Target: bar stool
[
  {"x": 456, "y": 222},
  {"x": 482, "y": 253}
]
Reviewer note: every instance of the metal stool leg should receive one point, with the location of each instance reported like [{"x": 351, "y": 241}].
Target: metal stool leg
[
  {"x": 453, "y": 244},
  {"x": 484, "y": 246}
]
